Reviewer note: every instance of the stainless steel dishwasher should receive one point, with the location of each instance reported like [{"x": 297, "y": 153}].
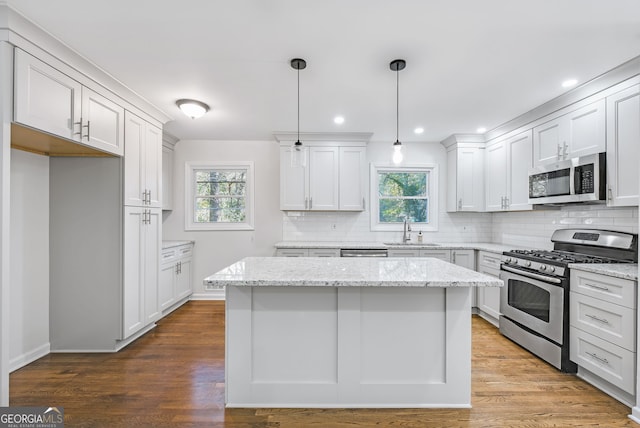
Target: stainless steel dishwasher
[{"x": 363, "y": 252}]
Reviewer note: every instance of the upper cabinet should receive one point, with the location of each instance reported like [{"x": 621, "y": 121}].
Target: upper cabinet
[
  {"x": 576, "y": 133},
  {"x": 465, "y": 173},
  {"x": 507, "y": 164},
  {"x": 51, "y": 101},
  {"x": 623, "y": 145},
  {"x": 333, "y": 178},
  {"x": 142, "y": 163}
]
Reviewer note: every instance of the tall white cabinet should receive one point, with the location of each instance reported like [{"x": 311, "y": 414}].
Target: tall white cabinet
[{"x": 465, "y": 172}]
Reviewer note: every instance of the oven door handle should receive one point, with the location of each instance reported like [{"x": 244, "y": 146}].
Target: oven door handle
[{"x": 532, "y": 275}]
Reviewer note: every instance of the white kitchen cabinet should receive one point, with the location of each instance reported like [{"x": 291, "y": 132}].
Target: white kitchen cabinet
[
  {"x": 175, "y": 277},
  {"x": 488, "y": 298},
  {"x": 142, "y": 234},
  {"x": 334, "y": 179},
  {"x": 142, "y": 163},
  {"x": 603, "y": 332},
  {"x": 352, "y": 178},
  {"x": 576, "y": 133},
  {"x": 465, "y": 175},
  {"x": 324, "y": 252},
  {"x": 507, "y": 181},
  {"x": 292, "y": 252},
  {"x": 51, "y": 101},
  {"x": 623, "y": 145},
  {"x": 464, "y": 258}
]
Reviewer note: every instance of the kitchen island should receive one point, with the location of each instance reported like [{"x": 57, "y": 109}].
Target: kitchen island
[{"x": 348, "y": 332}]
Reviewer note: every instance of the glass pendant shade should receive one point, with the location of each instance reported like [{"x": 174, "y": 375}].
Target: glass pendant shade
[
  {"x": 397, "y": 153},
  {"x": 298, "y": 155}
]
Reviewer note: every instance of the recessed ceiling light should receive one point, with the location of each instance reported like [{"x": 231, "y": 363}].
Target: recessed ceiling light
[
  {"x": 418, "y": 130},
  {"x": 569, "y": 83},
  {"x": 338, "y": 120},
  {"x": 481, "y": 130}
]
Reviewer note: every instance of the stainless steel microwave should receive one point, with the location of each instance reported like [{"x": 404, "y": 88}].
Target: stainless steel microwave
[{"x": 581, "y": 179}]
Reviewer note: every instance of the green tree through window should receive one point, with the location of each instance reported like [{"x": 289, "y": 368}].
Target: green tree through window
[{"x": 403, "y": 194}]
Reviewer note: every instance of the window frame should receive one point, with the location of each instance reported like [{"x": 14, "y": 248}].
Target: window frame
[
  {"x": 432, "y": 196},
  {"x": 190, "y": 195}
]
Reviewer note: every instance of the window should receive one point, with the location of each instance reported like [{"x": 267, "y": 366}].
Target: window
[
  {"x": 399, "y": 192},
  {"x": 219, "y": 196}
]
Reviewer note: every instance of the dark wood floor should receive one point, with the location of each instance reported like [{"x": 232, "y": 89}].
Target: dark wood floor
[{"x": 174, "y": 377}]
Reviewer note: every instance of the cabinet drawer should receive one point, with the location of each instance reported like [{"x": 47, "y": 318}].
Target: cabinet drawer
[
  {"x": 292, "y": 252},
  {"x": 437, "y": 254},
  {"x": 610, "y": 289},
  {"x": 612, "y": 363},
  {"x": 613, "y": 323},
  {"x": 489, "y": 271},
  {"x": 168, "y": 256},
  {"x": 185, "y": 251},
  {"x": 403, "y": 253},
  {"x": 489, "y": 260},
  {"x": 324, "y": 252}
]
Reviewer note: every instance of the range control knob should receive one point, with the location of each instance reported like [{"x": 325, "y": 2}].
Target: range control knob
[
  {"x": 527, "y": 263},
  {"x": 543, "y": 267},
  {"x": 552, "y": 269},
  {"x": 507, "y": 260}
]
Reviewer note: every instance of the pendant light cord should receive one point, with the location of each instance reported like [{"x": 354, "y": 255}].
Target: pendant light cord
[
  {"x": 298, "y": 104},
  {"x": 397, "y": 105}
]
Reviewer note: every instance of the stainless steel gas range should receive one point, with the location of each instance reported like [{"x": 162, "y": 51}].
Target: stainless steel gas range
[{"x": 535, "y": 301}]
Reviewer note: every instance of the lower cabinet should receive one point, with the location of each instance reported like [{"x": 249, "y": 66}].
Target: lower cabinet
[
  {"x": 175, "y": 276},
  {"x": 603, "y": 332},
  {"x": 488, "y": 298}
]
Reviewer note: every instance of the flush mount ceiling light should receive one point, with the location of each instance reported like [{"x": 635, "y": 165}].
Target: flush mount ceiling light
[
  {"x": 298, "y": 155},
  {"x": 192, "y": 108},
  {"x": 397, "y": 65}
]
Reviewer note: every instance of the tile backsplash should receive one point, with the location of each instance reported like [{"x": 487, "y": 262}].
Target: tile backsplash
[{"x": 526, "y": 228}]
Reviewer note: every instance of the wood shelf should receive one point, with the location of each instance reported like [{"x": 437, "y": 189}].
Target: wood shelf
[{"x": 34, "y": 141}]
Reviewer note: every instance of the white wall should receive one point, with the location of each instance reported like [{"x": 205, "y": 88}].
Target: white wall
[
  {"x": 29, "y": 313},
  {"x": 350, "y": 226},
  {"x": 215, "y": 250}
]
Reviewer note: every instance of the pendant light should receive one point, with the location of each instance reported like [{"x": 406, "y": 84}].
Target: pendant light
[
  {"x": 397, "y": 65},
  {"x": 298, "y": 151}
]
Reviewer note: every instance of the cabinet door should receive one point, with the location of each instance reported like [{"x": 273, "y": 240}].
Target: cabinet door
[
  {"x": 623, "y": 144},
  {"x": 352, "y": 176},
  {"x": 134, "y": 174},
  {"x": 464, "y": 258},
  {"x": 323, "y": 178},
  {"x": 167, "y": 178},
  {"x": 103, "y": 123},
  {"x": 153, "y": 165},
  {"x": 45, "y": 98},
  {"x": 470, "y": 179},
  {"x": 293, "y": 183},
  {"x": 166, "y": 294},
  {"x": 519, "y": 161},
  {"x": 133, "y": 259},
  {"x": 183, "y": 279},
  {"x": 152, "y": 243},
  {"x": 548, "y": 142},
  {"x": 496, "y": 176},
  {"x": 586, "y": 130}
]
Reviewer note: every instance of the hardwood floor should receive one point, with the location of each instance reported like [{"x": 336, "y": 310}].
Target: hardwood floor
[{"x": 174, "y": 377}]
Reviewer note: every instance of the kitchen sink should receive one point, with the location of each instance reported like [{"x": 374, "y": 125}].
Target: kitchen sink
[{"x": 414, "y": 244}]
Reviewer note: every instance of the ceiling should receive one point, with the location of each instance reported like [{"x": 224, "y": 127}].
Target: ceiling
[{"x": 470, "y": 63}]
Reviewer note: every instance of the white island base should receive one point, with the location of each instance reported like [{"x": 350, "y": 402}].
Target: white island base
[{"x": 328, "y": 346}]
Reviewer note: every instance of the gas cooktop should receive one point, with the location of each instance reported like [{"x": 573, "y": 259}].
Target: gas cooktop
[{"x": 563, "y": 257}]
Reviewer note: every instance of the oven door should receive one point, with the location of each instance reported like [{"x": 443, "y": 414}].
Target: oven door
[{"x": 533, "y": 302}]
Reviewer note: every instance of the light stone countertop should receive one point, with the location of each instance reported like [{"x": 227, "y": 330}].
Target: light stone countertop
[
  {"x": 349, "y": 272},
  {"x": 482, "y": 246},
  {"x": 624, "y": 270},
  {"x": 171, "y": 244}
]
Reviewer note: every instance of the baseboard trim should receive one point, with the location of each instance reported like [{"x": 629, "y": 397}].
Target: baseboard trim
[
  {"x": 29, "y": 357},
  {"x": 209, "y": 295}
]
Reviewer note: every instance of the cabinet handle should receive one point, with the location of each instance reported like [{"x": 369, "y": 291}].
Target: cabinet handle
[
  {"x": 306, "y": 203},
  {"x": 311, "y": 203},
  {"x": 80, "y": 131},
  {"x": 506, "y": 203},
  {"x": 610, "y": 194},
  {"x": 502, "y": 203},
  {"x": 454, "y": 257},
  {"x": 363, "y": 205},
  {"x": 598, "y": 287},
  {"x": 88, "y": 126},
  {"x": 149, "y": 196},
  {"x": 566, "y": 150},
  {"x": 460, "y": 204},
  {"x": 559, "y": 151},
  {"x": 595, "y": 318},
  {"x": 595, "y": 356},
  {"x": 177, "y": 268}
]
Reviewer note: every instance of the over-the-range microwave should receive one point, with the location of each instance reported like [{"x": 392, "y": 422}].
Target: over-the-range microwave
[{"x": 581, "y": 179}]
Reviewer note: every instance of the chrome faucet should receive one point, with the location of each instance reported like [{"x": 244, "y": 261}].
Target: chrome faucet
[{"x": 406, "y": 230}]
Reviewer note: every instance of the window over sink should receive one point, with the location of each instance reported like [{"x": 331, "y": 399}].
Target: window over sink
[
  {"x": 219, "y": 196},
  {"x": 404, "y": 192}
]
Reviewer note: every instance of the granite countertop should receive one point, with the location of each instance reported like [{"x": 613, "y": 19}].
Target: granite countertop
[
  {"x": 623, "y": 270},
  {"x": 171, "y": 244},
  {"x": 349, "y": 272},
  {"x": 483, "y": 246}
]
